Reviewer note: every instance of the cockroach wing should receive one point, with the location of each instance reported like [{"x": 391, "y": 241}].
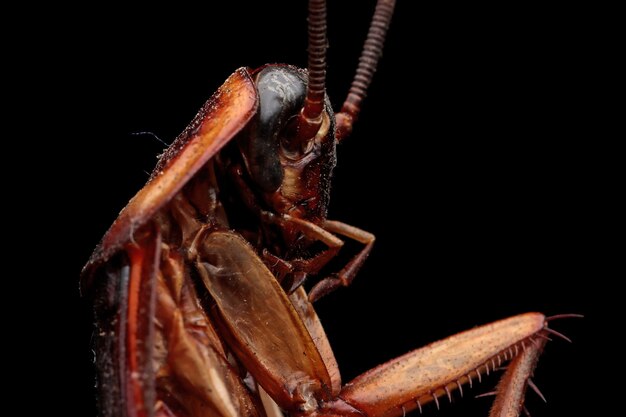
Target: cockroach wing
[
  {"x": 219, "y": 120},
  {"x": 194, "y": 377},
  {"x": 157, "y": 352},
  {"x": 303, "y": 306},
  {"x": 261, "y": 325},
  {"x": 124, "y": 307}
]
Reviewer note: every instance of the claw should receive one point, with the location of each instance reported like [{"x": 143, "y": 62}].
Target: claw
[{"x": 416, "y": 378}]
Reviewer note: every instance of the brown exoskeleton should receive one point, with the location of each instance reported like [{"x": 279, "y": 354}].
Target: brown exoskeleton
[{"x": 197, "y": 289}]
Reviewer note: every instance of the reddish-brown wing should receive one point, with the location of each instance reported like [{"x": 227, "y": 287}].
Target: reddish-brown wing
[
  {"x": 219, "y": 120},
  {"x": 261, "y": 324}
]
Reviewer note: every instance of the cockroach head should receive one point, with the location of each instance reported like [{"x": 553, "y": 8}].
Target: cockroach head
[{"x": 275, "y": 166}]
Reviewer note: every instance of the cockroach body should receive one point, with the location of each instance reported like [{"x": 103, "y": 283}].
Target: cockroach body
[{"x": 197, "y": 286}]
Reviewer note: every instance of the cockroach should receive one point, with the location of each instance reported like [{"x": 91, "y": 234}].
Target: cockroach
[{"x": 197, "y": 287}]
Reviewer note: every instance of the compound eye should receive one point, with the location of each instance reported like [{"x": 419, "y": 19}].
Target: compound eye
[{"x": 281, "y": 90}]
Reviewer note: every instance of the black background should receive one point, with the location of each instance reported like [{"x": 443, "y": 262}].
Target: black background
[{"x": 476, "y": 163}]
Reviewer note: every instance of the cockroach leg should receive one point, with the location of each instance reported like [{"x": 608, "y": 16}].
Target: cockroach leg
[
  {"x": 424, "y": 375},
  {"x": 510, "y": 393},
  {"x": 325, "y": 234},
  {"x": 279, "y": 267},
  {"x": 308, "y": 228},
  {"x": 344, "y": 277},
  {"x": 283, "y": 269},
  {"x": 302, "y": 267}
]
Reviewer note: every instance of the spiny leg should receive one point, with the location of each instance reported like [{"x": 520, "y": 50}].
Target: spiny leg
[
  {"x": 511, "y": 390},
  {"x": 426, "y": 375}
]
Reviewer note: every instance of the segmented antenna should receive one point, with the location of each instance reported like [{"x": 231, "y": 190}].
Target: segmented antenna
[
  {"x": 372, "y": 51},
  {"x": 311, "y": 115}
]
